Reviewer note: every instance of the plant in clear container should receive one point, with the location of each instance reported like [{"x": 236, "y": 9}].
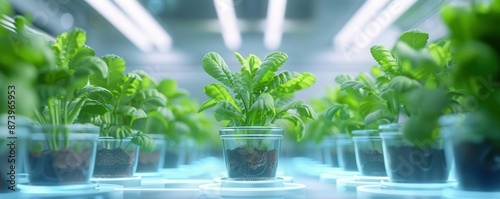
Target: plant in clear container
[
  {"x": 259, "y": 97},
  {"x": 369, "y": 152},
  {"x": 132, "y": 103},
  {"x": 346, "y": 153},
  {"x": 152, "y": 162},
  {"x": 59, "y": 151},
  {"x": 115, "y": 158},
  {"x": 474, "y": 38},
  {"x": 61, "y": 155},
  {"x": 406, "y": 162},
  {"x": 415, "y": 79}
]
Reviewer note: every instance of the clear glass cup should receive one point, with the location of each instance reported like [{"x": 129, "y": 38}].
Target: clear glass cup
[
  {"x": 345, "y": 153},
  {"x": 115, "y": 158},
  {"x": 251, "y": 153},
  {"x": 405, "y": 162},
  {"x": 151, "y": 162},
  {"x": 61, "y": 154},
  {"x": 369, "y": 152}
]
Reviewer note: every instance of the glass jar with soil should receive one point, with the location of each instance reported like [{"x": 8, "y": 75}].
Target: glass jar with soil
[
  {"x": 405, "y": 162},
  {"x": 152, "y": 162},
  {"x": 369, "y": 152},
  {"x": 175, "y": 153},
  {"x": 329, "y": 151},
  {"x": 476, "y": 158},
  {"x": 345, "y": 153},
  {"x": 61, "y": 154},
  {"x": 251, "y": 153},
  {"x": 115, "y": 158}
]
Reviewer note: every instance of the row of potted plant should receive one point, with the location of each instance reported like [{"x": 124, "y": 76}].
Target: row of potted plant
[
  {"x": 84, "y": 116},
  {"x": 427, "y": 105}
]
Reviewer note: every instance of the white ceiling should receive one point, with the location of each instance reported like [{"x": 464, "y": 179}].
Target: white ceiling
[{"x": 309, "y": 29}]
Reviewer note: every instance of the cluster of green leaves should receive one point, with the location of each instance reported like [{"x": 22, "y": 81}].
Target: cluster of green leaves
[
  {"x": 413, "y": 79},
  {"x": 22, "y": 54},
  {"x": 474, "y": 35},
  {"x": 259, "y": 96},
  {"x": 128, "y": 104},
  {"x": 183, "y": 118}
]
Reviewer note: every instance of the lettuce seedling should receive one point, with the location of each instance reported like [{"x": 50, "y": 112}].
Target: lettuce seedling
[{"x": 259, "y": 96}]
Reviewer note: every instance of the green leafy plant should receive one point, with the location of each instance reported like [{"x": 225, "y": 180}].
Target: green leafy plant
[
  {"x": 23, "y": 54},
  {"x": 132, "y": 97},
  {"x": 63, "y": 87},
  {"x": 259, "y": 96},
  {"x": 412, "y": 80},
  {"x": 476, "y": 48}
]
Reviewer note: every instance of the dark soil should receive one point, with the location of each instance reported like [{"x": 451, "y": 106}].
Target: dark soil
[
  {"x": 148, "y": 162},
  {"x": 349, "y": 160},
  {"x": 414, "y": 165},
  {"x": 171, "y": 160},
  {"x": 372, "y": 163},
  {"x": 251, "y": 164},
  {"x": 111, "y": 163},
  {"x": 478, "y": 166},
  {"x": 64, "y": 166}
]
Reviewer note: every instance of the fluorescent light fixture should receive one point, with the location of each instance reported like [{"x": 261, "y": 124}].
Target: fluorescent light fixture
[
  {"x": 122, "y": 23},
  {"x": 274, "y": 26},
  {"x": 365, "y": 13},
  {"x": 367, "y": 23},
  {"x": 229, "y": 23},
  {"x": 146, "y": 22}
]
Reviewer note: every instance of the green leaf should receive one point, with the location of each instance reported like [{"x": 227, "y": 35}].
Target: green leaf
[
  {"x": 215, "y": 66},
  {"x": 5, "y": 8},
  {"x": 127, "y": 86},
  {"x": 132, "y": 112},
  {"x": 93, "y": 107},
  {"x": 334, "y": 111},
  {"x": 96, "y": 93},
  {"x": 116, "y": 67},
  {"x": 253, "y": 62},
  {"x": 167, "y": 87},
  {"x": 118, "y": 131},
  {"x": 264, "y": 103},
  {"x": 219, "y": 92},
  {"x": 226, "y": 111},
  {"x": 377, "y": 115},
  {"x": 208, "y": 104},
  {"x": 298, "y": 124},
  {"x": 415, "y": 38},
  {"x": 385, "y": 59},
  {"x": 74, "y": 111},
  {"x": 303, "y": 109},
  {"x": 66, "y": 45},
  {"x": 340, "y": 79},
  {"x": 144, "y": 141},
  {"x": 403, "y": 84},
  {"x": 271, "y": 63},
  {"x": 149, "y": 99},
  {"x": 353, "y": 84}
]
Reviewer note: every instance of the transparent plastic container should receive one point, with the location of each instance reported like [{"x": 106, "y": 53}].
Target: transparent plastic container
[
  {"x": 152, "y": 162},
  {"x": 61, "y": 155},
  {"x": 369, "y": 152},
  {"x": 475, "y": 157},
  {"x": 175, "y": 153},
  {"x": 408, "y": 163},
  {"x": 346, "y": 153},
  {"x": 115, "y": 158},
  {"x": 251, "y": 152},
  {"x": 329, "y": 151}
]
